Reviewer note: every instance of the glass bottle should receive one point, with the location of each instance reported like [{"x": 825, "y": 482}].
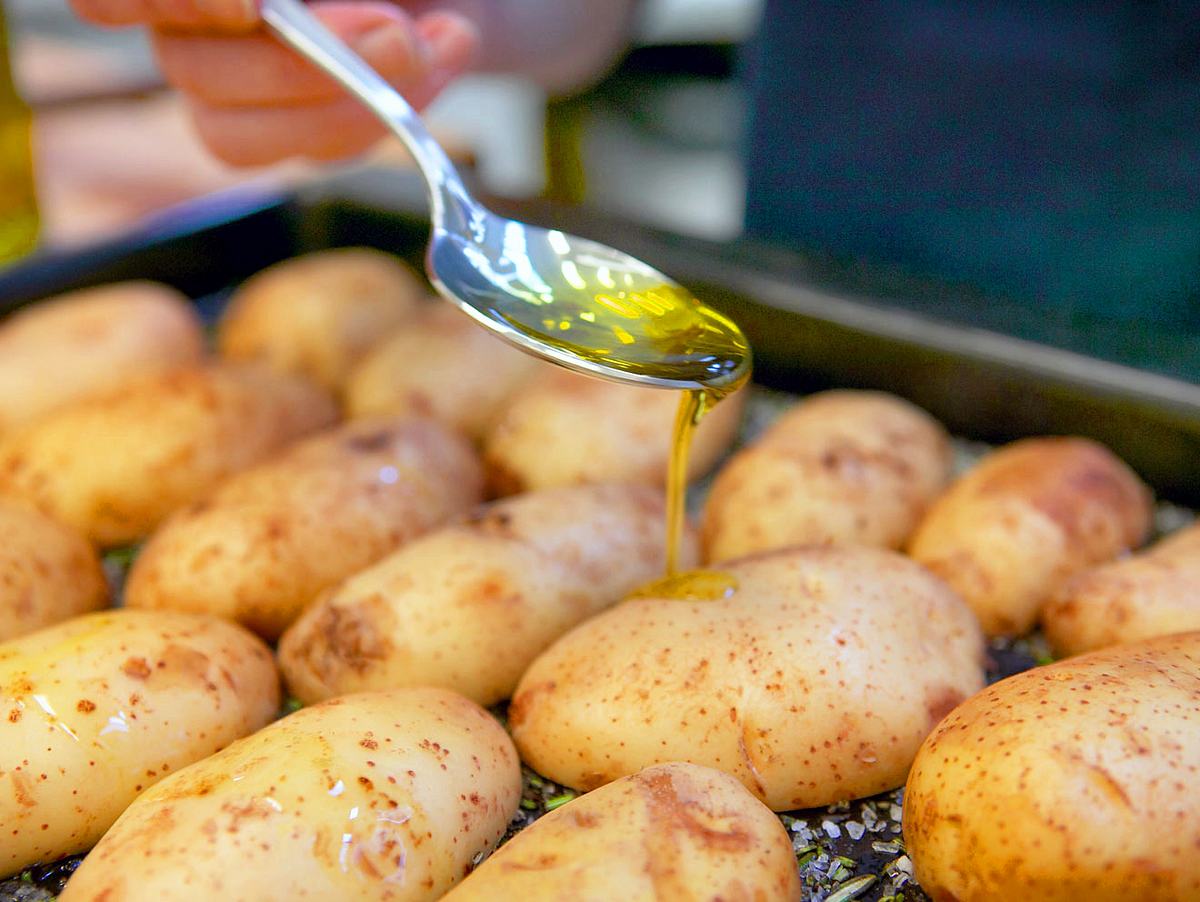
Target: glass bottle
[{"x": 18, "y": 204}]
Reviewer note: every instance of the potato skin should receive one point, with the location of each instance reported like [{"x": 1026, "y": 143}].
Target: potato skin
[
  {"x": 102, "y": 706},
  {"x": 814, "y": 681},
  {"x": 440, "y": 364},
  {"x": 90, "y": 341},
  {"x": 1025, "y": 519},
  {"x": 317, "y": 314},
  {"x": 470, "y": 606},
  {"x": 1149, "y": 594},
  {"x": 116, "y": 465},
  {"x": 386, "y": 795},
  {"x": 1073, "y": 781},
  {"x": 567, "y": 429},
  {"x": 270, "y": 539},
  {"x": 839, "y": 468},
  {"x": 673, "y": 831},
  {"x": 48, "y": 572}
]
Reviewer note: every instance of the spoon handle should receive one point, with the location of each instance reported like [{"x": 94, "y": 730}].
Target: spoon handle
[{"x": 294, "y": 24}]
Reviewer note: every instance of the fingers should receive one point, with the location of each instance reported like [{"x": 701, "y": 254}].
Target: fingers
[
  {"x": 249, "y": 124},
  {"x": 223, "y": 15}
]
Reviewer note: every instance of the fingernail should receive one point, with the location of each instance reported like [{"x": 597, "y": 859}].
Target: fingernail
[
  {"x": 453, "y": 40},
  {"x": 390, "y": 42}
]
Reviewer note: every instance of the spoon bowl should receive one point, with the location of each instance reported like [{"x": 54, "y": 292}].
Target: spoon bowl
[{"x": 576, "y": 302}]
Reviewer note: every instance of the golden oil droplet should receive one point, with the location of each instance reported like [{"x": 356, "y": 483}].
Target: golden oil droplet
[{"x": 693, "y": 585}]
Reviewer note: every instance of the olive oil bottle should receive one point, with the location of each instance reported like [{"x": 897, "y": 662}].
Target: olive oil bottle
[{"x": 18, "y": 204}]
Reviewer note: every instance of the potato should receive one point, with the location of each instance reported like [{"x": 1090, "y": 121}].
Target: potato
[
  {"x": 1027, "y": 517},
  {"x": 48, "y": 572},
  {"x": 813, "y": 678},
  {"x": 1073, "y": 781},
  {"x": 470, "y": 606},
  {"x": 568, "y": 429},
  {"x": 674, "y": 831},
  {"x": 100, "y": 707},
  {"x": 441, "y": 364},
  {"x": 271, "y": 538},
  {"x": 387, "y": 795},
  {"x": 116, "y": 465},
  {"x": 1150, "y": 594},
  {"x": 316, "y": 315},
  {"x": 840, "y": 468},
  {"x": 87, "y": 342}
]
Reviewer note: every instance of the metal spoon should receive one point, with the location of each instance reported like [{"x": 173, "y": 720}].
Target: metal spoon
[{"x": 576, "y": 302}]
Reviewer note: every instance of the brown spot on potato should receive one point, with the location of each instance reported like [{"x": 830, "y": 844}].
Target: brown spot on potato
[
  {"x": 371, "y": 442},
  {"x": 85, "y": 706},
  {"x": 941, "y": 701},
  {"x": 21, "y": 789},
  {"x": 136, "y": 668}
]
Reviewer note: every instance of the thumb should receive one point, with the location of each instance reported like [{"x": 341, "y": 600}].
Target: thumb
[{"x": 212, "y": 15}]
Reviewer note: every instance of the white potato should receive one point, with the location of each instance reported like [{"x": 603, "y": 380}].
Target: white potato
[
  {"x": 839, "y": 468},
  {"x": 567, "y": 429},
  {"x": 114, "y": 466},
  {"x": 387, "y": 795},
  {"x": 271, "y": 538},
  {"x": 441, "y": 364},
  {"x": 94, "y": 710},
  {"x": 812, "y": 675},
  {"x": 674, "y": 831},
  {"x": 48, "y": 572},
  {"x": 87, "y": 342},
  {"x": 469, "y": 606},
  {"x": 318, "y": 314}
]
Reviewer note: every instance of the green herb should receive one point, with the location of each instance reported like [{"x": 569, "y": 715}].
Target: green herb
[
  {"x": 559, "y": 801},
  {"x": 851, "y": 889},
  {"x": 291, "y": 704},
  {"x": 529, "y": 804}
]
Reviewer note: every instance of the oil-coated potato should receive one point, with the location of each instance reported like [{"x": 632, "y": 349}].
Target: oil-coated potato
[
  {"x": 469, "y": 606},
  {"x": 840, "y": 468},
  {"x": 87, "y": 342},
  {"x": 674, "y": 831},
  {"x": 1152, "y": 594},
  {"x": 271, "y": 538},
  {"x": 568, "y": 429},
  {"x": 115, "y": 465},
  {"x": 440, "y": 364},
  {"x": 94, "y": 710},
  {"x": 1025, "y": 519},
  {"x": 316, "y": 315},
  {"x": 386, "y": 795},
  {"x": 812, "y": 675},
  {"x": 1074, "y": 781},
  {"x": 48, "y": 572}
]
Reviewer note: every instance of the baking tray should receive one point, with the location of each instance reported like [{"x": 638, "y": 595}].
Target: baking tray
[{"x": 812, "y": 325}]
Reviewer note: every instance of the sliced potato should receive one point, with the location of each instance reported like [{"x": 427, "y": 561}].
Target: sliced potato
[
  {"x": 87, "y": 342},
  {"x": 1073, "y": 781},
  {"x": 469, "y": 606},
  {"x": 839, "y": 468},
  {"x": 270, "y": 539},
  {"x": 114, "y": 466},
  {"x": 318, "y": 314},
  {"x": 1025, "y": 519},
  {"x": 1152, "y": 594},
  {"x": 439, "y": 364},
  {"x": 48, "y": 572},
  {"x": 812, "y": 675},
  {"x": 96, "y": 709},
  {"x": 387, "y": 795},
  {"x": 567, "y": 429},
  {"x": 674, "y": 831}
]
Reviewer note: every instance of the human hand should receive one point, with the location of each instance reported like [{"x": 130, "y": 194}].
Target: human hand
[{"x": 254, "y": 101}]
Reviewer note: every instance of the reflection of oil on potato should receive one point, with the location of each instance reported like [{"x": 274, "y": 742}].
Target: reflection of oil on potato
[
  {"x": 48, "y": 572},
  {"x": 674, "y": 831},
  {"x": 568, "y": 429},
  {"x": 839, "y": 468},
  {"x": 469, "y": 606},
  {"x": 114, "y": 466},
  {"x": 100, "y": 707},
  {"x": 814, "y": 681},
  {"x": 1155, "y": 593},
  {"x": 270, "y": 539},
  {"x": 1071, "y": 781},
  {"x": 383, "y": 795},
  {"x": 1025, "y": 519},
  {"x": 88, "y": 342},
  {"x": 316, "y": 315}
]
